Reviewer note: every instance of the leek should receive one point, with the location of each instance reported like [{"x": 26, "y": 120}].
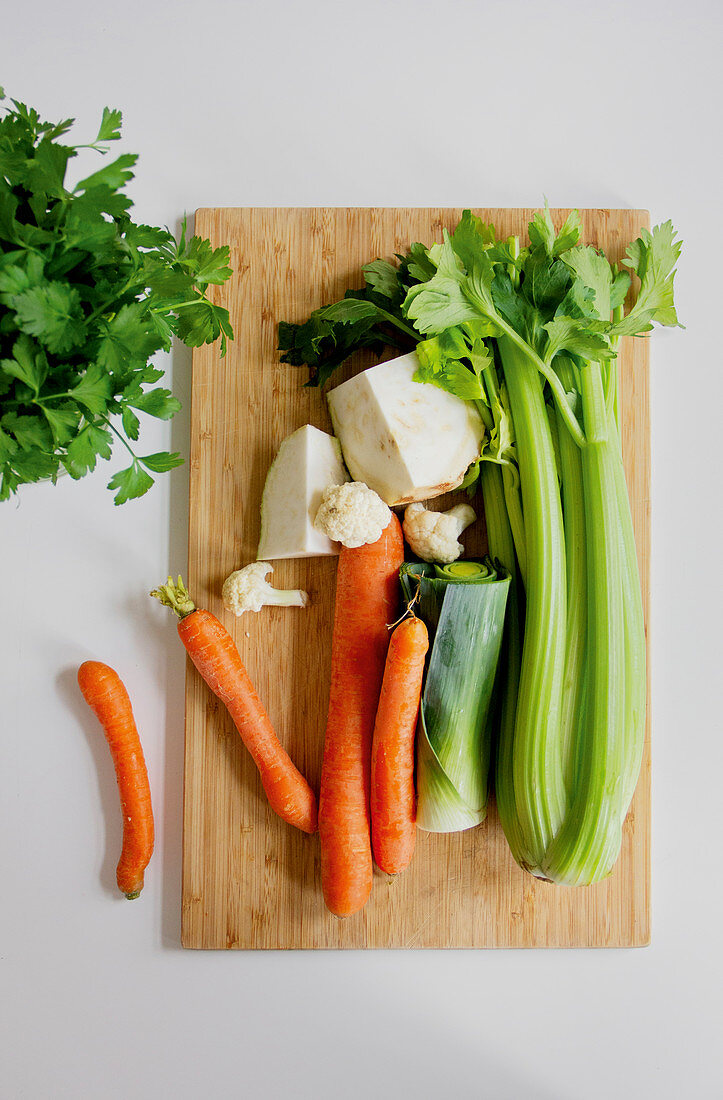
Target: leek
[{"x": 463, "y": 607}]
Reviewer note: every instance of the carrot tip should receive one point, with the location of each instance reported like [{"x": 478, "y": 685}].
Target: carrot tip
[{"x": 135, "y": 894}]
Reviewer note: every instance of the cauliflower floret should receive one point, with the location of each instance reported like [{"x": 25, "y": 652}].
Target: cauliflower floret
[
  {"x": 433, "y": 535},
  {"x": 248, "y": 590},
  {"x": 352, "y": 514}
]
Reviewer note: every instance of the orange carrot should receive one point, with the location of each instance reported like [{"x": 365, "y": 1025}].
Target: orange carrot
[
  {"x": 214, "y": 653},
  {"x": 392, "y": 799},
  {"x": 104, "y": 691},
  {"x": 367, "y": 589}
]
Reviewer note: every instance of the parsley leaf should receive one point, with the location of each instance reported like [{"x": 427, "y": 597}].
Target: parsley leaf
[
  {"x": 91, "y": 443},
  {"x": 94, "y": 389},
  {"x": 130, "y": 483},
  {"x": 114, "y": 175},
  {"x": 207, "y": 264},
  {"x": 63, "y": 420},
  {"x": 131, "y": 423},
  {"x": 27, "y": 364},
  {"x": 110, "y": 125},
  {"x": 127, "y": 336},
  {"x": 30, "y": 432},
  {"x": 161, "y": 461},
  {"x": 159, "y": 403},
  {"x": 53, "y": 314}
]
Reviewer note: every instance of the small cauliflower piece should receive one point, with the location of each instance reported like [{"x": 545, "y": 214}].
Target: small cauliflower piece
[
  {"x": 433, "y": 535},
  {"x": 248, "y": 590},
  {"x": 352, "y": 514}
]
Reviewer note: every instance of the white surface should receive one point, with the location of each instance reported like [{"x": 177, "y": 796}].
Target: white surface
[{"x": 379, "y": 103}]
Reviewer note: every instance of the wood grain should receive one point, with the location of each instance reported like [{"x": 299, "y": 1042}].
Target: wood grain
[{"x": 250, "y": 881}]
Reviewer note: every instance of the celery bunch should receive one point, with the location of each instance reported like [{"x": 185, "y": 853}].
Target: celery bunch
[{"x": 530, "y": 334}]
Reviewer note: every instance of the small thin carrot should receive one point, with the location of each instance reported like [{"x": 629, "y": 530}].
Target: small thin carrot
[
  {"x": 393, "y": 800},
  {"x": 104, "y": 691},
  {"x": 214, "y": 653},
  {"x": 367, "y": 589}
]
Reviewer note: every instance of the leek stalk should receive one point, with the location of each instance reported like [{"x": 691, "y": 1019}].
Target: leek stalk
[{"x": 463, "y": 607}]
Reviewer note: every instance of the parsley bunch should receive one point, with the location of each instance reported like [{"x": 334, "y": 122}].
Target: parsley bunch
[{"x": 87, "y": 297}]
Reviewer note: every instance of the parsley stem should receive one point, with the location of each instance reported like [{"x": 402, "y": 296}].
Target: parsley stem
[
  {"x": 124, "y": 441},
  {"x": 106, "y": 307},
  {"x": 50, "y": 397},
  {"x": 180, "y": 305}
]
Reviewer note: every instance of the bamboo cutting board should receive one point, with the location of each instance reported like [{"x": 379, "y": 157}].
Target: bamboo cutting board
[{"x": 249, "y": 880}]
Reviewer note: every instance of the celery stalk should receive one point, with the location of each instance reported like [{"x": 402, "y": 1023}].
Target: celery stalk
[
  {"x": 501, "y": 548},
  {"x": 536, "y": 758},
  {"x": 634, "y": 632},
  {"x": 588, "y": 842},
  {"x": 573, "y": 511}
]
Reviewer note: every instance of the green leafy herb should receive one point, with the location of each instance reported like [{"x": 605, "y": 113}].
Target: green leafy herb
[
  {"x": 87, "y": 297},
  {"x": 368, "y": 318}
]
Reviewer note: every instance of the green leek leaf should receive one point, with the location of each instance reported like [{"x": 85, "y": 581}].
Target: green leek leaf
[{"x": 463, "y": 607}]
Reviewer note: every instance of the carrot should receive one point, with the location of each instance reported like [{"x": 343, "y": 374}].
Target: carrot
[
  {"x": 366, "y": 600},
  {"x": 392, "y": 795},
  {"x": 214, "y": 653},
  {"x": 104, "y": 691}
]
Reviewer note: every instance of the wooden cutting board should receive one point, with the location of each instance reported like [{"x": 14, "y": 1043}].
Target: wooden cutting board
[{"x": 249, "y": 880}]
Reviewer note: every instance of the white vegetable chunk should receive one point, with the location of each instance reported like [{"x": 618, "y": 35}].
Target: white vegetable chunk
[
  {"x": 406, "y": 440},
  {"x": 307, "y": 462}
]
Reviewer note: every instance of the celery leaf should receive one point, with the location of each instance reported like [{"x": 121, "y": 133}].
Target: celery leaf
[
  {"x": 653, "y": 258},
  {"x": 574, "y": 336}
]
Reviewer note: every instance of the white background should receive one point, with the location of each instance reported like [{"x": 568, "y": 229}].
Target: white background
[{"x": 390, "y": 104}]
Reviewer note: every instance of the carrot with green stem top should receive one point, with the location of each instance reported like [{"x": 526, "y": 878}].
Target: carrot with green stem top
[
  {"x": 105, "y": 693},
  {"x": 214, "y": 653},
  {"x": 393, "y": 802},
  {"x": 366, "y": 599}
]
